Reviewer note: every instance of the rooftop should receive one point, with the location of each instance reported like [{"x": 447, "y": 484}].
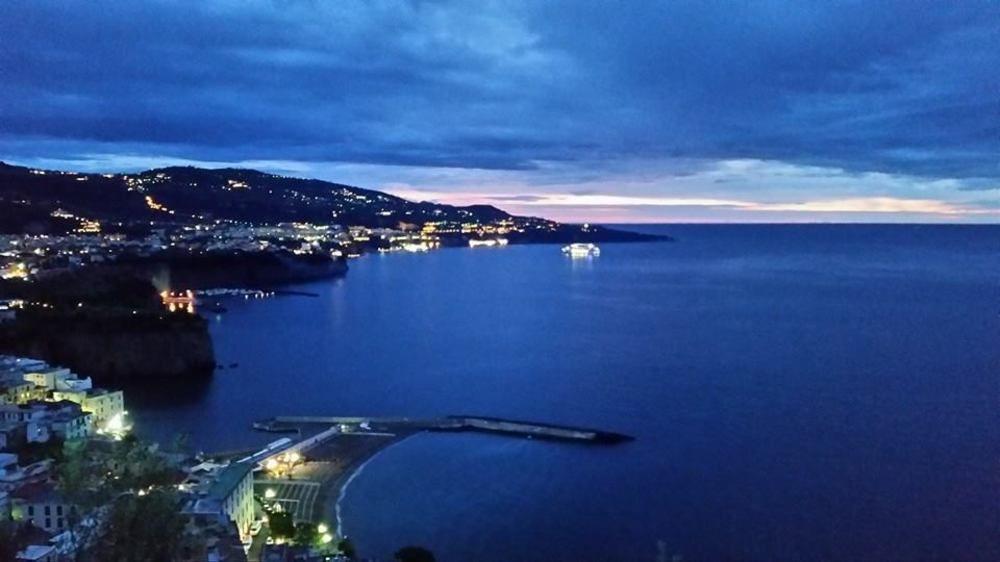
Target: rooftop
[
  {"x": 228, "y": 479},
  {"x": 7, "y": 459},
  {"x": 35, "y": 552},
  {"x": 37, "y": 492}
]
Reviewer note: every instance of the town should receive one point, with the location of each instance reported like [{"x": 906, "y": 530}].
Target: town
[
  {"x": 27, "y": 256},
  {"x": 53, "y": 220},
  {"x": 71, "y": 470}
]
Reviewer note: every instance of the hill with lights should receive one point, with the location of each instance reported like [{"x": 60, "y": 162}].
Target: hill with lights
[{"x": 46, "y": 201}]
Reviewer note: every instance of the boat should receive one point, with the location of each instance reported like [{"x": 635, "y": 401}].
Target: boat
[
  {"x": 476, "y": 242},
  {"x": 580, "y": 250},
  {"x": 416, "y": 247}
]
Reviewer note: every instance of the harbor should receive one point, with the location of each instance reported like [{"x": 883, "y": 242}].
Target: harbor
[
  {"x": 307, "y": 470},
  {"x": 531, "y": 430}
]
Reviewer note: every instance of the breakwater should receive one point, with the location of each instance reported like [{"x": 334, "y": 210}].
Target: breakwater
[{"x": 531, "y": 430}]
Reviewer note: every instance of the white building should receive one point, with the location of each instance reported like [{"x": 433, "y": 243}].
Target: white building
[
  {"x": 64, "y": 419},
  {"x": 58, "y": 379},
  {"x": 230, "y": 494},
  {"x": 42, "y": 506},
  {"x": 47, "y": 377},
  {"x": 105, "y": 405}
]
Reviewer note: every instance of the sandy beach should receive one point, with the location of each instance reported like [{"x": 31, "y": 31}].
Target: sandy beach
[{"x": 331, "y": 465}]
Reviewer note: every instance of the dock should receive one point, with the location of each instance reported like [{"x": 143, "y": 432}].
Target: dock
[
  {"x": 458, "y": 423},
  {"x": 305, "y": 470}
]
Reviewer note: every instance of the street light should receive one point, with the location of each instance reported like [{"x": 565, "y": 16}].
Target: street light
[
  {"x": 322, "y": 528},
  {"x": 270, "y": 493}
]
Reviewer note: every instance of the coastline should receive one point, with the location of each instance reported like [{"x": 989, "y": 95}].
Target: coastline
[
  {"x": 334, "y": 492},
  {"x": 333, "y": 462},
  {"x": 334, "y": 486}
]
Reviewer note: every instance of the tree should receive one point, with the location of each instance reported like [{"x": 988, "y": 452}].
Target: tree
[
  {"x": 414, "y": 554},
  {"x": 181, "y": 443},
  {"x": 346, "y": 547},
  {"x": 281, "y": 524},
  {"x": 9, "y": 539},
  {"x": 82, "y": 488},
  {"x": 137, "y": 465},
  {"x": 145, "y": 528},
  {"x": 306, "y": 535}
]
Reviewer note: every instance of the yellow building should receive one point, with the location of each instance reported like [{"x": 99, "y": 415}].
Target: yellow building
[
  {"x": 17, "y": 392},
  {"x": 105, "y": 405}
]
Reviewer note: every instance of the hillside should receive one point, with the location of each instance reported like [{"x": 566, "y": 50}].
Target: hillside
[{"x": 41, "y": 200}]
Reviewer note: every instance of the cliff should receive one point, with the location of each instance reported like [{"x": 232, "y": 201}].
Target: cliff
[
  {"x": 109, "y": 322},
  {"x": 114, "y": 345},
  {"x": 184, "y": 270}
]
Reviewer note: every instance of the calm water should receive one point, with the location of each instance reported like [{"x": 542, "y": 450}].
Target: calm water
[{"x": 797, "y": 393}]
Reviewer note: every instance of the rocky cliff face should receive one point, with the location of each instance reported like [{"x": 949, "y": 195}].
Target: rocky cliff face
[
  {"x": 116, "y": 347},
  {"x": 182, "y": 270},
  {"x": 105, "y": 324},
  {"x": 108, "y": 322}
]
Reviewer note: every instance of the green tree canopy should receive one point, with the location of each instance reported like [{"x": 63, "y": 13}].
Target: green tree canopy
[
  {"x": 137, "y": 465},
  {"x": 145, "y": 528},
  {"x": 281, "y": 524},
  {"x": 346, "y": 547},
  {"x": 10, "y": 537},
  {"x": 306, "y": 535}
]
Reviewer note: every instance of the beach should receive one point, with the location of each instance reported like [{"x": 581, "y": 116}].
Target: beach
[{"x": 314, "y": 486}]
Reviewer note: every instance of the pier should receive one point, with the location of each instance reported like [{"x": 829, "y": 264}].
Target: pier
[
  {"x": 305, "y": 471},
  {"x": 531, "y": 430}
]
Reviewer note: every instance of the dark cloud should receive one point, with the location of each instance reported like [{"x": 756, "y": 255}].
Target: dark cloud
[{"x": 898, "y": 87}]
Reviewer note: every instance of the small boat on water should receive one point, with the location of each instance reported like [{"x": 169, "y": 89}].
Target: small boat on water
[{"x": 581, "y": 250}]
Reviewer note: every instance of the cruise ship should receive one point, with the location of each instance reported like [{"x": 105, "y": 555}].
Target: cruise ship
[
  {"x": 476, "y": 242},
  {"x": 581, "y": 250}
]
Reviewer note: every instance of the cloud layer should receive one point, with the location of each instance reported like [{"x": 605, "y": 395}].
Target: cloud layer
[{"x": 818, "y": 102}]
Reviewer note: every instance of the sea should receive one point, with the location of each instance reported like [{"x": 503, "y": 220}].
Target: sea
[{"x": 796, "y": 393}]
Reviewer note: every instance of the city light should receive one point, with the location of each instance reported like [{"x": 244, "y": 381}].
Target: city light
[
  {"x": 116, "y": 426},
  {"x": 270, "y": 493}
]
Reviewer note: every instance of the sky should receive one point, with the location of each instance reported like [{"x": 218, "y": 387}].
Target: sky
[{"x": 632, "y": 111}]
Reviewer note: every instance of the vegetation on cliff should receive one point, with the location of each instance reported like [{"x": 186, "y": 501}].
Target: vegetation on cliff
[
  {"x": 106, "y": 324},
  {"x": 112, "y": 343},
  {"x": 185, "y": 270},
  {"x": 109, "y": 321}
]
